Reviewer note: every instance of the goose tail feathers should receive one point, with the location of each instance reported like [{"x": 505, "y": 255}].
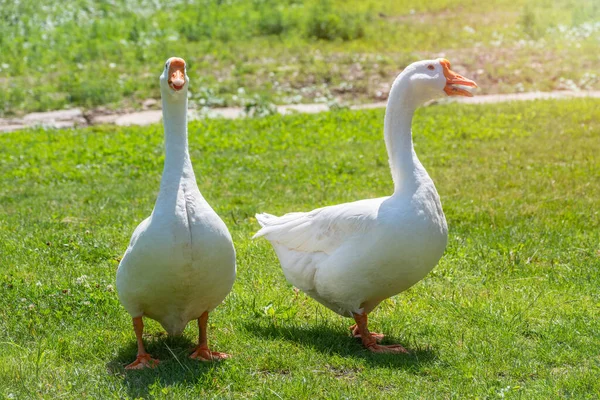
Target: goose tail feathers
[
  {"x": 270, "y": 223},
  {"x": 263, "y": 219}
]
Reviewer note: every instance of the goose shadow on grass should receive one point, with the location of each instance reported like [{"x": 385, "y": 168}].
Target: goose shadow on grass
[
  {"x": 333, "y": 340},
  {"x": 175, "y": 365}
]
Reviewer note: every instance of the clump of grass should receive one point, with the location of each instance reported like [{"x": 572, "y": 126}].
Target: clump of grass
[
  {"x": 271, "y": 19},
  {"x": 257, "y": 106},
  {"x": 529, "y": 24},
  {"x": 323, "y": 22}
]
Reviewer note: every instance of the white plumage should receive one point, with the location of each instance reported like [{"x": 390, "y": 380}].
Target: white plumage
[
  {"x": 180, "y": 263},
  {"x": 350, "y": 257}
]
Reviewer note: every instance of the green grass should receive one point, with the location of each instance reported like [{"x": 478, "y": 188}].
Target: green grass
[
  {"x": 91, "y": 53},
  {"x": 512, "y": 310}
]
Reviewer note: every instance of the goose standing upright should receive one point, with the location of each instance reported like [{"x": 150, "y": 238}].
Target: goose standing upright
[
  {"x": 352, "y": 256},
  {"x": 180, "y": 263}
]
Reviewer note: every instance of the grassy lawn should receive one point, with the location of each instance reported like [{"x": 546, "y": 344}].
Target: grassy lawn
[
  {"x": 512, "y": 310},
  {"x": 91, "y": 53}
]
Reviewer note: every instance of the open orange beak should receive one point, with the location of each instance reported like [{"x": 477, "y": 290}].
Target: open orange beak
[
  {"x": 452, "y": 79},
  {"x": 177, "y": 74}
]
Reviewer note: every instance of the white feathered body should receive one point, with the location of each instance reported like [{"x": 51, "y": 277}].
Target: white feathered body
[
  {"x": 180, "y": 262},
  {"x": 350, "y": 257}
]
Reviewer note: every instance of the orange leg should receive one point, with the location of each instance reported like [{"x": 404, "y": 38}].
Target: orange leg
[
  {"x": 201, "y": 352},
  {"x": 354, "y": 331},
  {"x": 143, "y": 359},
  {"x": 369, "y": 339}
]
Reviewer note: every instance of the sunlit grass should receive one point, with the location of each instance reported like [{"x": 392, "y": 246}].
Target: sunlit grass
[{"x": 512, "y": 309}]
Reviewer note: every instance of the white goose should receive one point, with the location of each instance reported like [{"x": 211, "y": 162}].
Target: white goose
[
  {"x": 350, "y": 257},
  {"x": 180, "y": 263}
]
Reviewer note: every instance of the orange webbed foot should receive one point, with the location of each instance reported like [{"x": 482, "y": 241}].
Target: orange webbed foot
[
  {"x": 369, "y": 339},
  {"x": 143, "y": 361},
  {"x": 392, "y": 348},
  {"x": 356, "y": 333},
  {"x": 202, "y": 353}
]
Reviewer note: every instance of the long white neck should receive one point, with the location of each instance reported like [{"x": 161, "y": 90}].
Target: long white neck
[
  {"x": 407, "y": 171},
  {"x": 178, "y": 169}
]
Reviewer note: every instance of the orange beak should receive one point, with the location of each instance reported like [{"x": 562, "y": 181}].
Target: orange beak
[
  {"x": 177, "y": 74},
  {"x": 452, "y": 78}
]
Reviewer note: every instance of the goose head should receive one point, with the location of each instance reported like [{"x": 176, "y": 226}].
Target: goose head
[
  {"x": 174, "y": 79},
  {"x": 428, "y": 79}
]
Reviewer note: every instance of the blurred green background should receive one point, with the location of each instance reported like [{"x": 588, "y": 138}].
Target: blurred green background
[{"x": 91, "y": 53}]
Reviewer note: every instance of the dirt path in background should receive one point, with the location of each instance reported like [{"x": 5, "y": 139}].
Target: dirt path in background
[{"x": 78, "y": 118}]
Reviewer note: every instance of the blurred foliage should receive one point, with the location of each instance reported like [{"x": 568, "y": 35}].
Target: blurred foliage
[{"x": 88, "y": 53}]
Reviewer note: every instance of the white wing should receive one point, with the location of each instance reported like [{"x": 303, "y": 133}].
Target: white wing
[{"x": 321, "y": 230}]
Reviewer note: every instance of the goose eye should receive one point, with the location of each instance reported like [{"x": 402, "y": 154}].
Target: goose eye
[{"x": 431, "y": 67}]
